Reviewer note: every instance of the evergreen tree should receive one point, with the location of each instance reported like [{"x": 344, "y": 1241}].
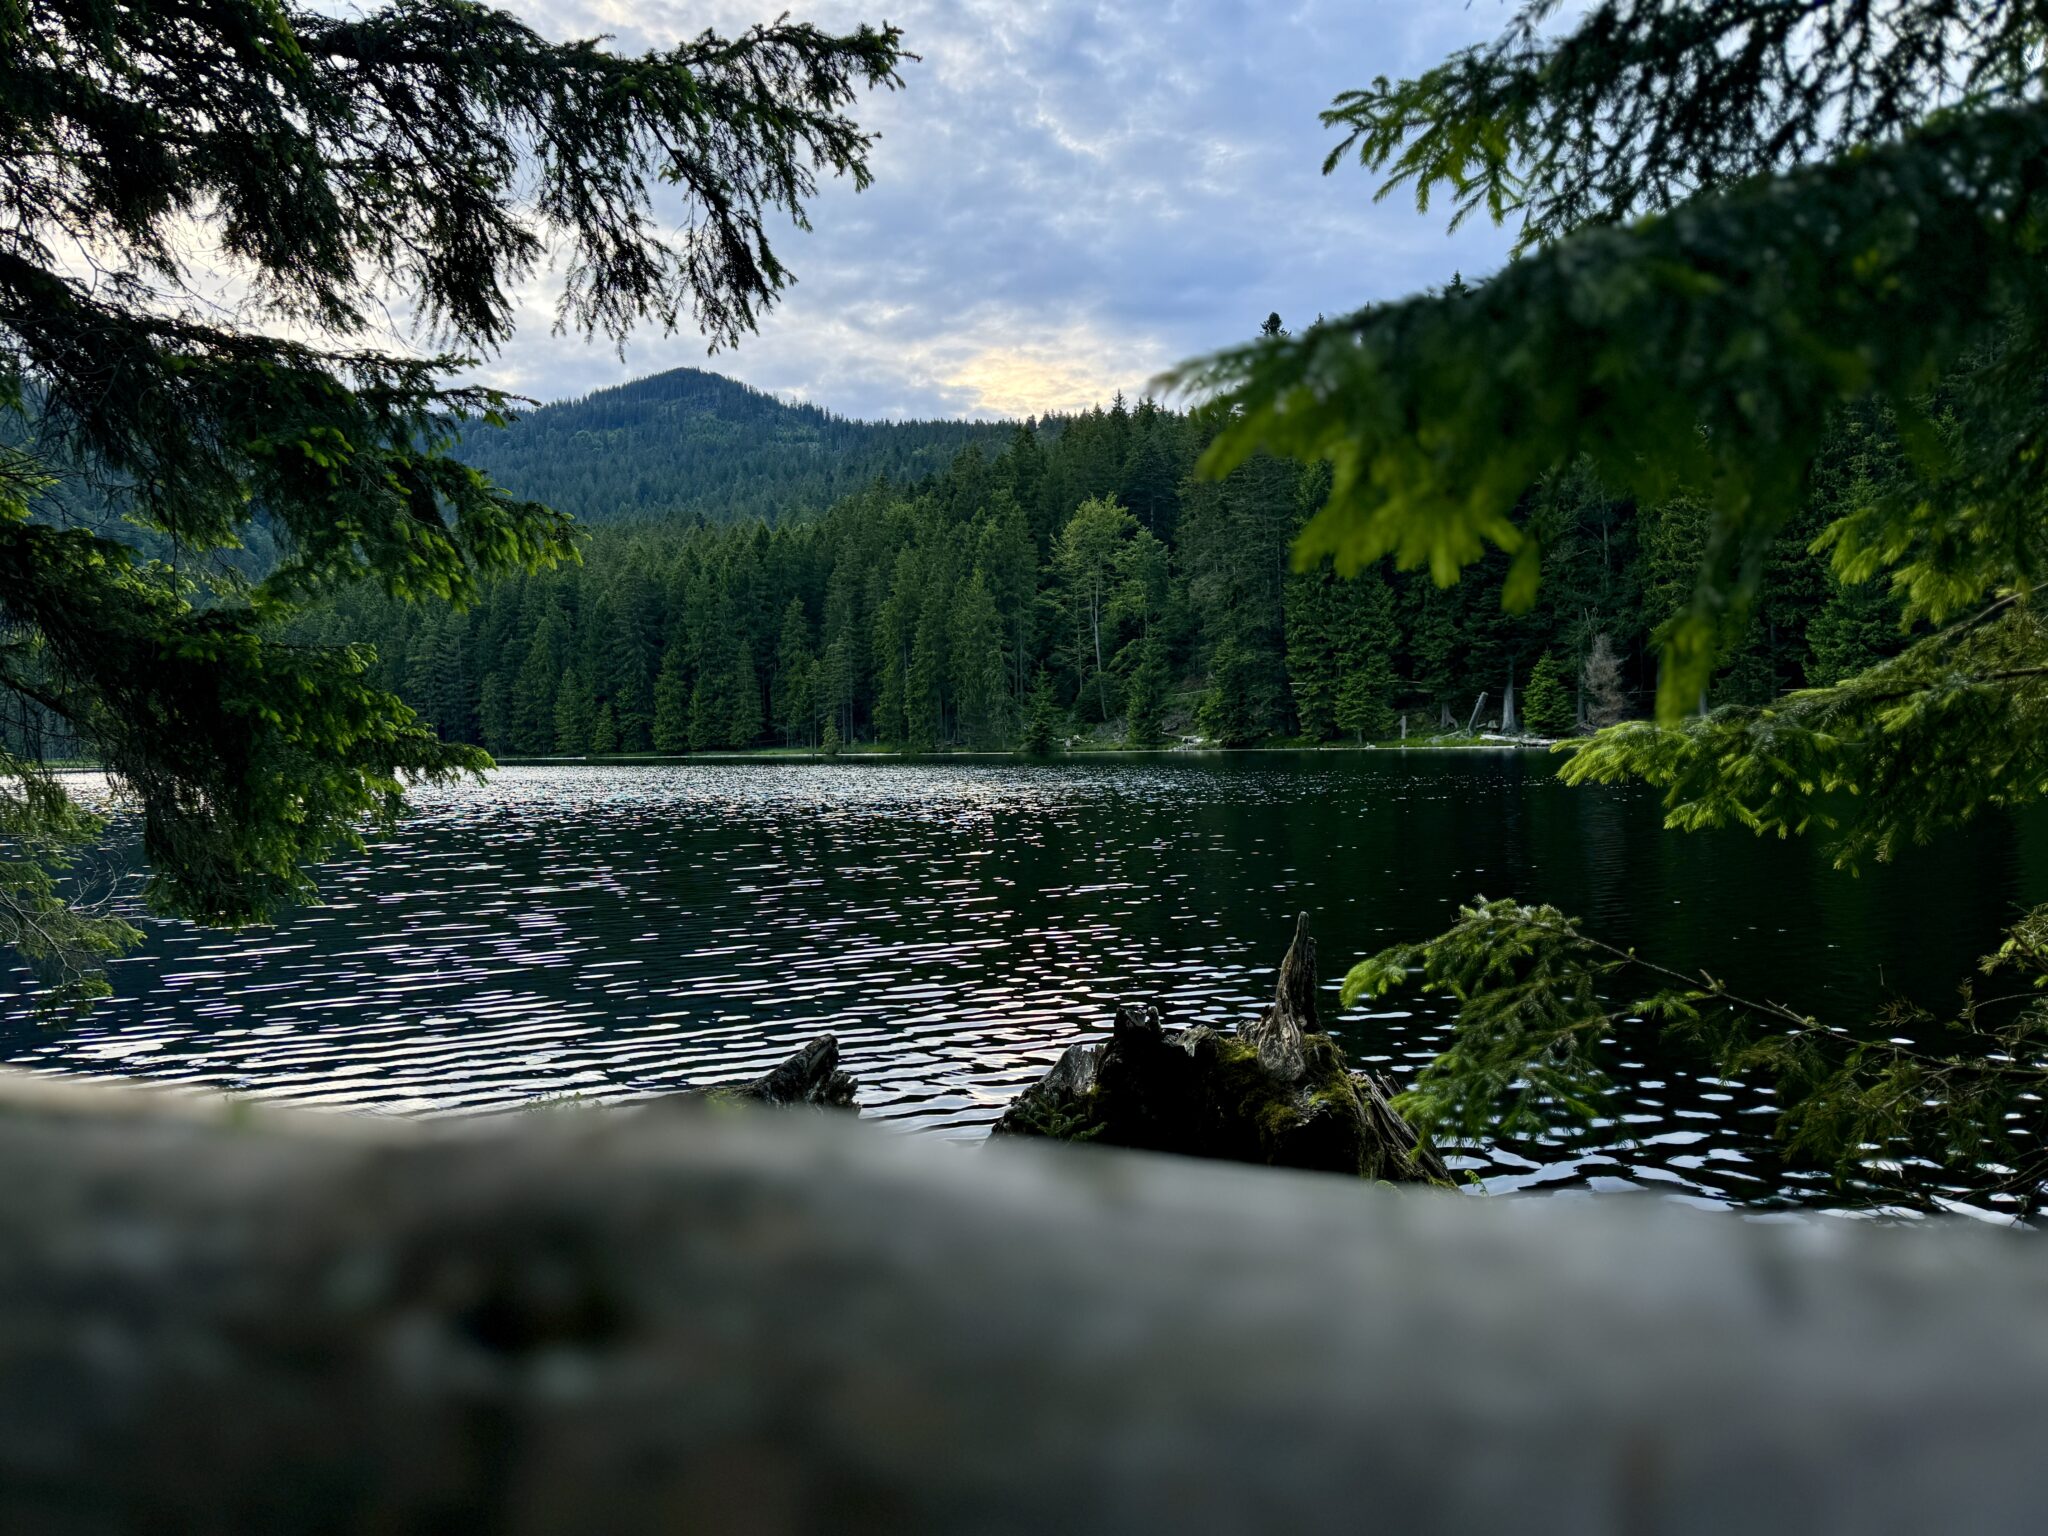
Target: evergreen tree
[
  {"x": 672, "y": 697},
  {"x": 1856, "y": 628},
  {"x": 924, "y": 678},
  {"x": 895, "y": 629},
  {"x": 574, "y": 714},
  {"x": 494, "y": 714},
  {"x": 978, "y": 673},
  {"x": 540, "y": 675},
  {"x": 1089, "y": 561},
  {"x": 709, "y": 713},
  {"x": 1150, "y": 483},
  {"x": 1231, "y": 711},
  {"x": 1367, "y": 638},
  {"x": 330, "y": 157},
  {"x": 836, "y": 683},
  {"x": 1145, "y": 696},
  {"x": 796, "y": 676},
  {"x": 1362, "y": 707},
  {"x": 1548, "y": 709},
  {"x": 1314, "y": 638},
  {"x": 1236, "y": 551},
  {"x": 1006, "y": 555},
  {"x": 744, "y": 722},
  {"x": 1041, "y": 724},
  {"x": 1884, "y": 170}
]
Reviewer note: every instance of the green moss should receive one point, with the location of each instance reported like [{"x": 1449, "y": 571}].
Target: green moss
[
  {"x": 1067, "y": 1119},
  {"x": 1273, "y": 1108}
]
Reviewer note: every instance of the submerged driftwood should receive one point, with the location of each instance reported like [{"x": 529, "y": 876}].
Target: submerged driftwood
[
  {"x": 1279, "y": 1092},
  {"x": 810, "y": 1077}
]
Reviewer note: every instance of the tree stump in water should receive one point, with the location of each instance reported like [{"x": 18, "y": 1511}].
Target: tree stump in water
[
  {"x": 1279, "y": 1092},
  {"x": 810, "y": 1077},
  {"x": 1281, "y": 1033}
]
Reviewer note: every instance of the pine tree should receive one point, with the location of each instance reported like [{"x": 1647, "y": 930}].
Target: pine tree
[
  {"x": 495, "y": 715},
  {"x": 604, "y": 731},
  {"x": 1856, "y": 628},
  {"x": 540, "y": 675},
  {"x": 1041, "y": 724},
  {"x": 829, "y": 744},
  {"x": 744, "y": 722},
  {"x": 1152, "y": 473},
  {"x": 1367, "y": 640},
  {"x": 837, "y": 683},
  {"x": 331, "y": 157},
  {"x": 708, "y": 714},
  {"x": 1314, "y": 671},
  {"x": 672, "y": 702},
  {"x": 977, "y": 665},
  {"x": 895, "y": 628},
  {"x": 1145, "y": 696},
  {"x": 924, "y": 679},
  {"x": 796, "y": 676},
  {"x": 1231, "y": 710},
  {"x": 1431, "y": 618},
  {"x": 1009, "y": 560},
  {"x": 1548, "y": 708},
  {"x": 1362, "y": 694},
  {"x": 574, "y": 712},
  {"x": 632, "y": 701}
]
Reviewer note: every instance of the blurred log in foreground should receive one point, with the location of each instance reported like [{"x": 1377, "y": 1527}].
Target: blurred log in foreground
[{"x": 742, "y": 1321}]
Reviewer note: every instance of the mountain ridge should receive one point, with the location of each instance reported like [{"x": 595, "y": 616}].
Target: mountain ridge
[{"x": 687, "y": 442}]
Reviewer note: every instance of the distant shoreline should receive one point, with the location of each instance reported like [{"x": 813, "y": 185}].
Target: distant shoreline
[{"x": 862, "y": 754}]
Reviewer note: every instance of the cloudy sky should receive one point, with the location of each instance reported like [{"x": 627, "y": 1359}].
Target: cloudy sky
[{"x": 1069, "y": 197}]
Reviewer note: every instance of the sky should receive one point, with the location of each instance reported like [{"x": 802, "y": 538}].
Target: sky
[{"x": 1069, "y": 198}]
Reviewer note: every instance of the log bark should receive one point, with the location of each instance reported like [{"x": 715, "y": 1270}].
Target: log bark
[{"x": 258, "y": 1323}]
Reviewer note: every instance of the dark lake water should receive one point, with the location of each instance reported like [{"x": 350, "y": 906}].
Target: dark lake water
[{"x": 614, "y": 932}]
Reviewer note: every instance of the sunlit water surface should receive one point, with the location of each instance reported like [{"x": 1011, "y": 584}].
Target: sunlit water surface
[{"x": 617, "y": 932}]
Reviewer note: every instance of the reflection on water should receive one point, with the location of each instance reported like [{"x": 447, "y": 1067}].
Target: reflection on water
[{"x": 614, "y": 932}]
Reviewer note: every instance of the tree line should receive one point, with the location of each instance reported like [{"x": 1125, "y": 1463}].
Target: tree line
[{"x": 1082, "y": 581}]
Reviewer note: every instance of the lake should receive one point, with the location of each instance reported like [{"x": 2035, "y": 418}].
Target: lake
[{"x": 611, "y": 932}]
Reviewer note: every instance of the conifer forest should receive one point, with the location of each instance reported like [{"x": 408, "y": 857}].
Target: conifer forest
[{"x": 981, "y": 576}]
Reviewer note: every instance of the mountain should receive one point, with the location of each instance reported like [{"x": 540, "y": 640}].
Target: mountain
[{"x": 687, "y": 443}]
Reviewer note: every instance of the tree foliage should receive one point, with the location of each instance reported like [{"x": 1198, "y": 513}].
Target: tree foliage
[
  {"x": 430, "y": 152},
  {"x": 1774, "y": 261},
  {"x": 1707, "y": 346},
  {"x": 1201, "y": 615},
  {"x": 1889, "y": 1111}
]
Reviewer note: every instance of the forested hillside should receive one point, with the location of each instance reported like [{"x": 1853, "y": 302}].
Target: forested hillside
[
  {"x": 688, "y": 443},
  {"x": 1083, "y": 579}
]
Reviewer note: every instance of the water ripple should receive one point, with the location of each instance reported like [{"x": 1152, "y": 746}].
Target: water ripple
[{"x": 613, "y": 933}]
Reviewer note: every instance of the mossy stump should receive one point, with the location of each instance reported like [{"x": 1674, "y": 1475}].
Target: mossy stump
[
  {"x": 1279, "y": 1092},
  {"x": 811, "y": 1078}
]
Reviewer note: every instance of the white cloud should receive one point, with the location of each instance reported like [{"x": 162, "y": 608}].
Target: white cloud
[{"x": 1069, "y": 197}]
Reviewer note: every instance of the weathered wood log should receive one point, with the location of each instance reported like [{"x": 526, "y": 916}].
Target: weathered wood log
[
  {"x": 274, "y": 1324},
  {"x": 1280, "y": 1092}
]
